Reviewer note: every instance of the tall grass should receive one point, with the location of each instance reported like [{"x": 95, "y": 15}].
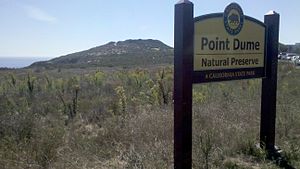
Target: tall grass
[{"x": 124, "y": 119}]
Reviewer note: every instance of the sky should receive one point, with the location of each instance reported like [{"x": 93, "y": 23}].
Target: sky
[{"x": 52, "y": 28}]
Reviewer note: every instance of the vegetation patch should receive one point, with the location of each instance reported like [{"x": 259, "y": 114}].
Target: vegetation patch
[{"x": 123, "y": 118}]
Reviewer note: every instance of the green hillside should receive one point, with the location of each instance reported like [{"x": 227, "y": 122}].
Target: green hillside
[
  {"x": 112, "y": 107},
  {"x": 113, "y": 54}
]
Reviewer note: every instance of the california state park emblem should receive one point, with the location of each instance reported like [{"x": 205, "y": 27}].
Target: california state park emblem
[{"x": 233, "y": 18}]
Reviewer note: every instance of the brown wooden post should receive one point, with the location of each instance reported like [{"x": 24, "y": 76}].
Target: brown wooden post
[
  {"x": 183, "y": 67},
  {"x": 269, "y": 84}
]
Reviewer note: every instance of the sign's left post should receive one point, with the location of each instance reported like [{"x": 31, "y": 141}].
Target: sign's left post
[{"x": 183, "y": 69}]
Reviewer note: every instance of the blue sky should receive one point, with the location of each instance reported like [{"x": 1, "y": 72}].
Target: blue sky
[{"x": 51, "y": 28}]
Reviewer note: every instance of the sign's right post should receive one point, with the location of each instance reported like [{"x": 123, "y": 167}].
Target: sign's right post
[{"x": 269, "y": 84}]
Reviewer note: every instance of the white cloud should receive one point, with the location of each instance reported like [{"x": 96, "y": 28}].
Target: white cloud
[{"x": 39, "y": 15}]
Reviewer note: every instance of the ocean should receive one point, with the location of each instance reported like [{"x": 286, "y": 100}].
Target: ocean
[{"x": 19, "y": 62}]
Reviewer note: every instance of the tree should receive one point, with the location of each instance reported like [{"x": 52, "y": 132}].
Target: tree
[{"x": 282, "y": 48}]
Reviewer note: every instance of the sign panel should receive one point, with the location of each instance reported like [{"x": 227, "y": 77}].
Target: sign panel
[
  {"x": 217, "y": 47},
  {"x": 228, "y": 46}
]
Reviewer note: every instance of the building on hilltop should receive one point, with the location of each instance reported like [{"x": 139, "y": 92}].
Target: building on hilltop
[{"x": 293, "y": 48}]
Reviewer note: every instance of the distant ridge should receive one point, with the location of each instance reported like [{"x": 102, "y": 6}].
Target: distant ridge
[
  {"x": 15, "y": 62},
  {"x": 122, "y": 53}
]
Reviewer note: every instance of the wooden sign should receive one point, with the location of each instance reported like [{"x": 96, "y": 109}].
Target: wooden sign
[
  {"x": 228, "y": 46},
  {"x": 218, "y": 47}
]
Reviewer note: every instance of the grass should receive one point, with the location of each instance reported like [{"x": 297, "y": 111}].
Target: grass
[{"x": 123, "y": 118}]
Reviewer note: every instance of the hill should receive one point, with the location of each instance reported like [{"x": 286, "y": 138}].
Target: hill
[{"x": 122, "y": 53}]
